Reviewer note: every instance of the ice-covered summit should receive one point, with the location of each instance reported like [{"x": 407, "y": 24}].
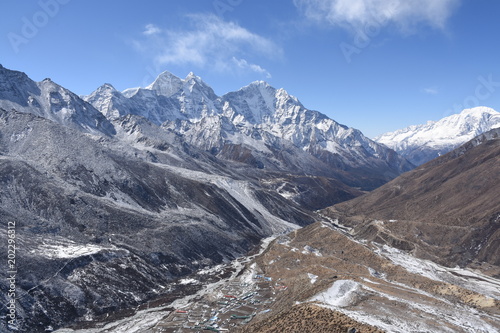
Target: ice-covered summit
[
  {"x": 421, "y": 143},
  {"x": 166, "y": 84},
  {"x": 257, "y": 115}
]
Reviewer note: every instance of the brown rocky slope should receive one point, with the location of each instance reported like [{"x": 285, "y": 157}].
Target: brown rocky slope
[
  {"x": 335, "y": 283},
  {"x": 447, "y": 210}
]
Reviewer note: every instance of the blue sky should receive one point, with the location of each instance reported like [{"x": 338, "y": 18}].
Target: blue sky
[{"x": 376, "y": 65}]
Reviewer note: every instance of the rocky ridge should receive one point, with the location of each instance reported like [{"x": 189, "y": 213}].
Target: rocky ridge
[{"x": 257, "y": 125}]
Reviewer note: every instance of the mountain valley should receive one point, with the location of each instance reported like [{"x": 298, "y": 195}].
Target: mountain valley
[{"x": 137, "y": 211}]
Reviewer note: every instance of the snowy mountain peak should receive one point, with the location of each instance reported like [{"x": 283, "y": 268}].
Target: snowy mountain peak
[
  {"x": 105, "y": 91},
  {"x": 166, "y": 84},
  {"x": 258, "y": 87},
  {"x": 260, "y": 83},
  {"x": 49, "y": 100},
  {"x": 106, "y": 99},
  {"x": 191, "y": 75},
  {"x": 108, "y": 86},
  {"x": 473, "y": 121},
  {"x": 480, "y": 110},
  {"x": 51, "y": 85},
  {"x": 129, "y": 92},
  {"x": 193, "y": 78},
  {"x": 265, "y": 89},
  {"x": 258, "y": 115},
  {"x": 282, "y": 94},
  {"x": 164, "y": 76},
  {"x": 7, "y": 75},
  {"x": 421, "y": 143},
  {"x": 198, "y": 90}
]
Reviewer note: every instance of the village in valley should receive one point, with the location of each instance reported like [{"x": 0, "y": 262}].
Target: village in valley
[{"x": 227, "y": 306}]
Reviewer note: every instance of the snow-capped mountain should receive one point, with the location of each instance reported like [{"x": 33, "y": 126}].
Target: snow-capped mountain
[
  {"x": 422, "y": 143},
  {"x": 51, "y": 101},
  {"x": 167, "y": 98},
  {"x": 172, "y": 179},
  {"x": 259, "y": 119}
]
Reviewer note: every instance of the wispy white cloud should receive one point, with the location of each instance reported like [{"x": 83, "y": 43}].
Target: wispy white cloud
[
  {"x": 406, "y": 14},
  {"x": 208, "y": 41},
  {"x": 151, "y": 29},
  {"x": 431, "y": 91},
  {"x": 244, "y": 65}
]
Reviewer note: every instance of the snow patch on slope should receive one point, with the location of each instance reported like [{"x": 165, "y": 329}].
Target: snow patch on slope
[
  {"x": 66, "y": 249},
  {"x": 474, "y": 281},
  {"x": 407, "y": 316},
  {"x": 341, "y": 294},
  {"x": 313, "y": 278}
]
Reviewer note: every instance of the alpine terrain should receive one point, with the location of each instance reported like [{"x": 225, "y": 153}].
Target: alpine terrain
[
  {"x": 422, "y": 143},
  {"x": 419, "y": 254},
  {"x": 115, "y": 196},
  {"x": 257, "y": 125},
  {"x": 447, "y": 210}
]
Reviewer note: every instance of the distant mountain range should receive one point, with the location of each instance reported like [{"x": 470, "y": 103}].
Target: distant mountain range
[
  {"x": 422, "y": 143},
  {"x": 257, "y": 125}
]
